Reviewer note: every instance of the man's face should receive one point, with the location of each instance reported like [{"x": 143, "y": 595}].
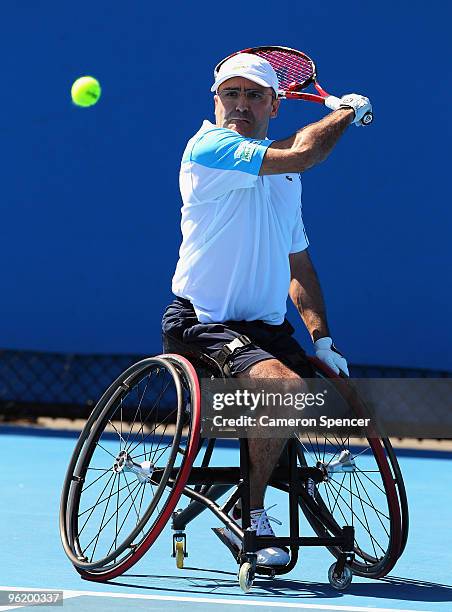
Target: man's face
[{"x": 245, "y": 107}]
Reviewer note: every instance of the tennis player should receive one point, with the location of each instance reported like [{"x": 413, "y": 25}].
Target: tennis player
[{"x": 244, "y": 249}]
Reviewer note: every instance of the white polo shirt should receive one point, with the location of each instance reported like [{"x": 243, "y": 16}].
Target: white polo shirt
[{"x": 238, "y": 229}]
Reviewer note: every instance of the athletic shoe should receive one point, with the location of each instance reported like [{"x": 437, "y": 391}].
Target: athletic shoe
[{"x": 260, "y": 522}]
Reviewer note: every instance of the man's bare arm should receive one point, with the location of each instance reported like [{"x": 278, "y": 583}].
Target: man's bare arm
[
  {"x": 306, "y": 295},
  {"x": 307, "y": 147}
]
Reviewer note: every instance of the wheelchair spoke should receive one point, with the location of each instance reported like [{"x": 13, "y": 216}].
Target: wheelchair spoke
[
  {"x": 120, "y": 435},
  {"x": 303, "y": 445},
  {"x": 158, "y": 424},
  {"x": 118, "y": 530},
  {"x": 101, "y": 501},
  {"x": 340, "y": 488},
  {"x": 103, "y": 518},
  {"x": 95, "y": 504},
  {"x": 317, "y": 445},
  {"x": 365, "y": 450},
  {"x": 369, "y": 503},
  {"x": 377, "y": 512},
  {"x": 121, "y": 439},
  {"x": 368, "y": 529},
  {"x": 104, "y": 449},
  {"x": 351, "y": 500},
  {"x": 161, "y": 438},
  {"x": 141, "y": 500},
  {"x": 105, "y": 472},
  {"x": 337, "y": 447},
  {"x": 115, "y": 542},
  {"x": 136, "y": 412},
  {"x": 137, "y": 488},
  {"x": 104, "y": 525},
  {"x": 328, "y": 498},
  {"x": 133, "y": 501},
  {"x": 156, "y": 405},
  {"x": 365, "y": 526},
  {"x": 141, "y": 430},
  {"x": 363, "y": 472},
  {"x": 152, "y": 432},
  {"x": 155, "y": 459},
  {"x": 344, "y": 518},
  {"x": 96, "y": 469},
  {"x": 143, "y": 442}
]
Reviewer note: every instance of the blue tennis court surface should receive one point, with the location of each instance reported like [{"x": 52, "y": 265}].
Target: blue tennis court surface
[{"x": 31, "y": 554}]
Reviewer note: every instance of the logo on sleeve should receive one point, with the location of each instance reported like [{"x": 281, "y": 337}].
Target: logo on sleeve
[{"x": 245, "y": 151}]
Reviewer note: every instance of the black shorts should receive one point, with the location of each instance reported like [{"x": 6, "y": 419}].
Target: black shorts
[{"x": 268, "y": 341}]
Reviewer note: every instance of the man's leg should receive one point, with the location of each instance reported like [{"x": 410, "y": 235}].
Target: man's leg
[{"x": 264, "y": 453}]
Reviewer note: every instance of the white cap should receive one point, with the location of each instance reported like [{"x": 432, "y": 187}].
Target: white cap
[{"x": 248, "y": 66}]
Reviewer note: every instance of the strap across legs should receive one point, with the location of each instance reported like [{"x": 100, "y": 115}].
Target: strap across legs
[{"x": 223, "y": 356}]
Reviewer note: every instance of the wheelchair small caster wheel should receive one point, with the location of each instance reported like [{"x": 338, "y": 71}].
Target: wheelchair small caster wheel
[
  {"x": 246, "y": 576},
  {"x": 340, "y": 582},
  {"x": 180, "y": 554}
]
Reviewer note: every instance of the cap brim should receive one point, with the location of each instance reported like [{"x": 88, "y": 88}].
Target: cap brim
[{"x": 231, "y": 75}]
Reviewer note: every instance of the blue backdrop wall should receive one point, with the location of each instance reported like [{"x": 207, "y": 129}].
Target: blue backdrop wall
[{"x": 90, "y": 202}]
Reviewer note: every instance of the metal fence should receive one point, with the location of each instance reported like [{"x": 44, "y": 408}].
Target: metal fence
[{"x": 34, "y": 384}]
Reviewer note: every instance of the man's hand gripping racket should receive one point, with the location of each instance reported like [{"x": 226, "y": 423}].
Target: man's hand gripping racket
[{"x": 296, "y": 71}]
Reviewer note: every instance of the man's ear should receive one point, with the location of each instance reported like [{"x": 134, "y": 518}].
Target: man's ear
[{"x": 275, "y": 108}]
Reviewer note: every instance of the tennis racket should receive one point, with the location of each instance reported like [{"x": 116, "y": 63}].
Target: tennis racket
[{"x": 295, "y": 71}]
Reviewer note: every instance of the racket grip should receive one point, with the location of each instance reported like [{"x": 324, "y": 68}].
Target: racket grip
[
  {"x": 333, "y": 103},
  {"x": 367, "y": 119}
]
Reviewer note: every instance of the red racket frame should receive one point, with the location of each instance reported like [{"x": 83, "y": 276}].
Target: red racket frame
[{"x": 294, "y": 90}]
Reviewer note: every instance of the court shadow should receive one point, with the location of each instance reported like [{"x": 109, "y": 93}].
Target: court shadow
[
  {"x": 182, "y": 583},
  {"x": 225, "y": 583},
  {"x": 396, "y": 588},
  {"x": 418, "y": 590}
]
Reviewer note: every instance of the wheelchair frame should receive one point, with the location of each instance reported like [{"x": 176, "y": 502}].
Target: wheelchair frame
[
  {"x": 288, "y": 478},
  {"x": 210, "y": 483}
]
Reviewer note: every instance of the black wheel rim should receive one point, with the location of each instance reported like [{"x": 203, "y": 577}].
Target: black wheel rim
[{"x": 110, "y": 513}]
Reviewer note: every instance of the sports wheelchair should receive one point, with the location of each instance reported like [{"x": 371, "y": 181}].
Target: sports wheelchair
[{"x": 141, "y": 450}]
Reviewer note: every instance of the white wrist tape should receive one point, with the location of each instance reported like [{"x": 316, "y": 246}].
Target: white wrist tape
[{"x": 332, "y": 102}]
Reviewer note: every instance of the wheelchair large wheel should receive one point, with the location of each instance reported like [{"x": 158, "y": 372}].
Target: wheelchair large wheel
[
  {"x": 130, "y": 465},
  {"x": 364, "y": 489}
]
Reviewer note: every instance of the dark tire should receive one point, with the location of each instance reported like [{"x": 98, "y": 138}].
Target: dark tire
[
  {"x": 400, "y": 485},
  {"x": 130, "y": 465},
  {"x": 372, "y": 498}
]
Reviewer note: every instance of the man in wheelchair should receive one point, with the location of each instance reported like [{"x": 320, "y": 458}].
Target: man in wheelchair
[{"x": 244, "y": 249}]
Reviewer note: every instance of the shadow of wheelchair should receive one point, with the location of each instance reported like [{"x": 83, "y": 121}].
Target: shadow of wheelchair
[{"x": 225, "y": 583}]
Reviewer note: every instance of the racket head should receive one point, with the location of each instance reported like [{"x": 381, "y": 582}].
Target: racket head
[{"x": 295, "y": 70}]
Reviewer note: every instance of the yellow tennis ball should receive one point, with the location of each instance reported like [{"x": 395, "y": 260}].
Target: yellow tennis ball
[{"x": 85, "y": 91}]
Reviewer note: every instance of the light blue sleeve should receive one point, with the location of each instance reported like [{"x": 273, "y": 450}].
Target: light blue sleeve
[
  {"x": 224, "y": 149},
  {"x": 221, "y": 160}
]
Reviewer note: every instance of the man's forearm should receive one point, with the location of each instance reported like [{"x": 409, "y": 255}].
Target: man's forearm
[
  {"x": 308, "y": 300},
  {"x": 308, "y": 146},
  {"x": 316, "y": 141}
]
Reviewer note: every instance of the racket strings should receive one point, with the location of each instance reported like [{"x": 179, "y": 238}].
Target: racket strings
[{"x": 290, "y": 67}]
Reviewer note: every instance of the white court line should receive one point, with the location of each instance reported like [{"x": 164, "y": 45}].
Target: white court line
[{"x": 230, "y": 602}]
